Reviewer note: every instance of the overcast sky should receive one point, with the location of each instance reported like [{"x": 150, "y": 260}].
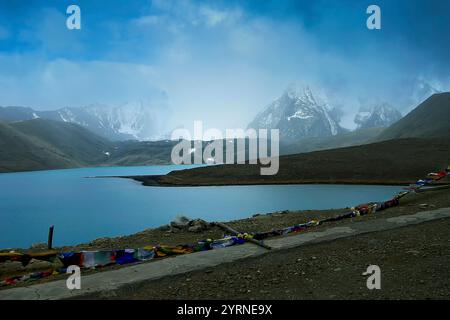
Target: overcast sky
[{"x": 220, "y": 61}]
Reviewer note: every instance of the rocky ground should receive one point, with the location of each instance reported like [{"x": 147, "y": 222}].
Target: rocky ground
[{"x": 414, "y": 263}]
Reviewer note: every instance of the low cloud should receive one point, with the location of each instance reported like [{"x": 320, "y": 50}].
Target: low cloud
[{"x": 210, "y": 61}]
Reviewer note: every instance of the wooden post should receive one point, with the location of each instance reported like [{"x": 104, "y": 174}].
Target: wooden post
[
  {"x": 50, "y": 238},
  {"x": 235, "y": 233}
]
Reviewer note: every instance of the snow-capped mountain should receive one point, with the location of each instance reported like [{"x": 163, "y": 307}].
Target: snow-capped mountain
[
  {"x": 129, "y": 121},
  {"x": 299, "y": 113},
  {"x": 377, "y": 116}
]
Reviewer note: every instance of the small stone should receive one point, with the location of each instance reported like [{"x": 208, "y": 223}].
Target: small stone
[{"x": 39, "y": 246}]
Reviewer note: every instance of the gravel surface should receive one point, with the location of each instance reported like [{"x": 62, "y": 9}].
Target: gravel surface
[{"x": 414, "y": 264}]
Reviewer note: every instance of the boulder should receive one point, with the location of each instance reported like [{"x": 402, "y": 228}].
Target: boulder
[
  {"x": 198, "y": 225},
  {"x": 180, "y": 222}
]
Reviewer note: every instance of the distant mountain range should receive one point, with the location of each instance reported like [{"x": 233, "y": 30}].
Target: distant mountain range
[
  {"x": 307, "y": 122},
  {"x": 303, "y": 115},
  {"x": 129, "y": 121},
  {"x": 382, "y": 122},
  {"x": 39, "y": 144}
]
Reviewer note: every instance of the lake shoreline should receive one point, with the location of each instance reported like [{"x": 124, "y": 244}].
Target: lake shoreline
[
  {"x": 161, "y": 181},
  {"x": 163, "y": 235},
  {"x": 257, "y": 222}
]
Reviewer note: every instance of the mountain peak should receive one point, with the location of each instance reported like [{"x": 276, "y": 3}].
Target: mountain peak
[
  {"x": 300, "y": 112},
  {"x": 133, "y": 120},
  {"x": 379, "y": 115},
  {"x": 306, "y": 93}
]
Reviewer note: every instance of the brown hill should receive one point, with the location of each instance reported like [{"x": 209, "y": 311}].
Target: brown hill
[
  {"x": 431, "y": 119},
  {"x": 389, "y": 162}
]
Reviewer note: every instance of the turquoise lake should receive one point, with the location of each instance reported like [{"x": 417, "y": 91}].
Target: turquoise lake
[{"x": 83, "y": 209}]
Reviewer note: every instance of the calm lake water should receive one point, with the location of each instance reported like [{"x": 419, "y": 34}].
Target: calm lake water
[{"x": 83, "y": 209}]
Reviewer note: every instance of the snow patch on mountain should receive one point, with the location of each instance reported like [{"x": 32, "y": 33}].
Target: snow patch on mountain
[{"x": 301, "y": 114}]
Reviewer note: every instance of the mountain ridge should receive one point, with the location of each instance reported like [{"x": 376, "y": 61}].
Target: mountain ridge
[
  {"x": 41, "y": 144},
  {"x": 18, "y": 152},
  {"x": 125, "y": 122},
  {"x": 430, "y": 119}
]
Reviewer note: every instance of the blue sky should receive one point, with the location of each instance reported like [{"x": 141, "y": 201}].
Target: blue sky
[{"x": 220, "y": 61}]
